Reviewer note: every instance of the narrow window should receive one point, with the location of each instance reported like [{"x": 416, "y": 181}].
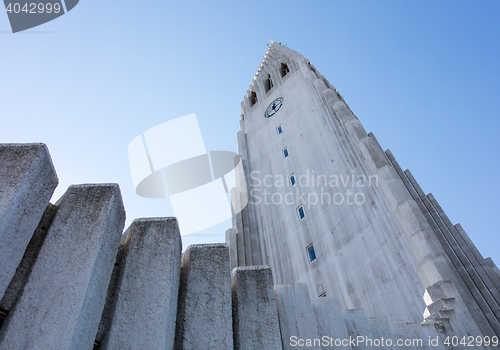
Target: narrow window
[
  {"x": 285, "y": 152},
  {"x": 312, "y": 253},
  {"x": 268, "y": 83},
  {"x": 279, "y": 129},
  {"x": 292, "y": 179},
  {"x": 253, "y": 98},
  {"x": 284, "y": 70},
  {"x": 323, "y": 295},
  {"x": 300, "y": 212}
]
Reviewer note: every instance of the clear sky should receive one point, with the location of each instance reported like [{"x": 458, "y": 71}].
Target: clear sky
[{"x": 422, "y": 75}]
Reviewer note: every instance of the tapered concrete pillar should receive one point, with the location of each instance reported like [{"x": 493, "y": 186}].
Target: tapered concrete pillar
[
  {"x": 62, "y": 302},
  {"x": 144, "y": 288},
  {"x": 296, "y": 317},
  {"x": 255, "y": 318},
  {"x": 204, "y": 317},
  {"x": 27, "y": 181}
]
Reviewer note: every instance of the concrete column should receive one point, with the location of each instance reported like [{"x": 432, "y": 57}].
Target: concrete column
[
  {"x": 238, "y": 225},
  {"x": 243, "y": 181},
  {"x": 27, "y": 181},
  {"x": 296, "y": 316},
  {"x": 330, "y": 321},
  {"x": 204, "y": 315},
  {"x": 246, "y": 236},
  {"x": 23, "y": 271},
  {"x": 233, "y": 248},
  {"x": 255, "y": 318},
  {"x": 62, "y": 302},
  {"x": 142, "y": 299}
]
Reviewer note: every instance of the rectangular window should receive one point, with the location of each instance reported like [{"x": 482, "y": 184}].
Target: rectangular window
[
  {"x": 300, "y": 211},
  {"x": 323, "y": 295},
  {"x": 292, "y": 179},
  {"x": 279, "y": 129},
  {"x": 285, "y": 152},
  {"x": 312, "y": 253}
]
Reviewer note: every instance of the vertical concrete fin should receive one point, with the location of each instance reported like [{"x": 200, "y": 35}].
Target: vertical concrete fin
[
  {"x": 248, "y": 227},
  {"x": 204, "y": 305},
  {"x": 492, "y": 271},
  {"x": 238, "y": 226},
  {"x": 242, "y": 145},
  {"x": 64, "y": 297},
  {"x": 255, "y": 318},
  {"x": 442, "y": 234},
  {"x": 27, "y": 181},
  {"x": 235, "y": 206},
  {"x": 474, "y": 299},
  {"x": 402, "y": 174},
  {"x": 296, "y": 315},
  {"x": 474, "y": 267},
  {"x": 474, "y": 276},
  {"x": 240, "y": 244},
  {"x": 414, "y": 183},
  {"x": 23, "y": 271},
  {"x": 469, "y": 242},
  {"x": 148, "y": 290},
  {"x": 375, "y": 151},
  {"x": 247, "y": 236},
  {"x": 233, "y": 248}
]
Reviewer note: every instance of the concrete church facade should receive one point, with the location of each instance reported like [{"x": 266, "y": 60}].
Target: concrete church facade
[
  {"x": 356, "y": 227},
  {"x": 336, "y": 247}
]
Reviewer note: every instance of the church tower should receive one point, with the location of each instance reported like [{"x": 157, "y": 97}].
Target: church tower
[{"x": 326, "y": 206}]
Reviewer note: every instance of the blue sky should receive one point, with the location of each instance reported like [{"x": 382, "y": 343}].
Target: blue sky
[{"x": 423, "y": 76}]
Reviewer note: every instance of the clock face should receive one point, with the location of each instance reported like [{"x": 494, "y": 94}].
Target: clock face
[{"x": 273, "y": 107}]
